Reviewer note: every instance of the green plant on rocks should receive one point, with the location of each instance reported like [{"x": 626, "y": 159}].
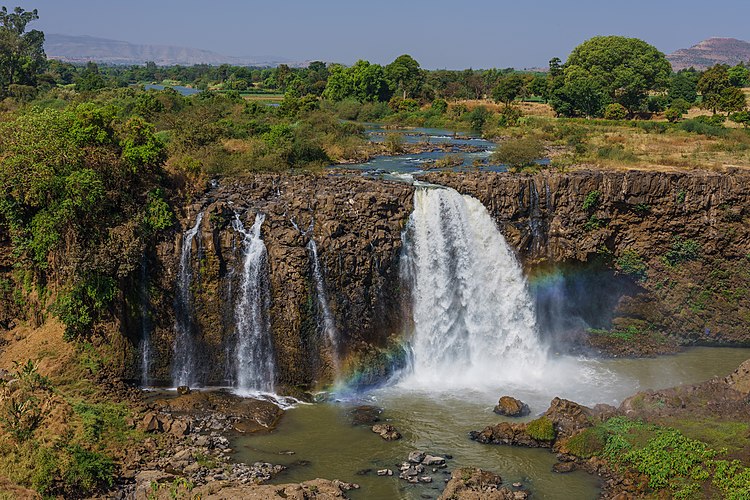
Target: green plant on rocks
[{"x": 541, "y": 429}]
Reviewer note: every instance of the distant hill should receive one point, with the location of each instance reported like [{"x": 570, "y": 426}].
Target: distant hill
[
  {"x": 79, "y": 49},
  {"x": 709, "y": 52}
]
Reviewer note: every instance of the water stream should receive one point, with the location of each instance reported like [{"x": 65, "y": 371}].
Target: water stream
[
  {"x": 327, "y": 321},
  {"x": 184, "y": 362},
  {"x": 253, "y": 352}
]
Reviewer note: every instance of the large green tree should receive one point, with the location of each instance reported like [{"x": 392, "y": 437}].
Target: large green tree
[
  {"x": 623, "y": 69},
  {"x": 712, "y": 85},
  {"x": 22, "y": 55},
  {"x": 364, "y": 82},
  {"x": 405, "y": 75},
  {"x": 508, "y": 88}
]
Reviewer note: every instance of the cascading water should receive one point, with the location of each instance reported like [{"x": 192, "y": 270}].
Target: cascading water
[
  {"x": 328, "y": 322},
  {"x": 255, "y": 369},
  {"x": 183, "y": 363},
  {"x": 474, "y": 321},
  {"x": 145, "y": 347}
]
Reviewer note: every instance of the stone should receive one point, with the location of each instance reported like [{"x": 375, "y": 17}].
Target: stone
[
  {"x": 416, "y": 457},
  {"x": 386, "y": 431},
  {"x": 150, "y": 423},
  {"x": 425, "y": 479},
  {"x": 511, "y": 407},
  {"x": 183, "y": 390},
  {"x": 385, "y": 472},
  {"x": 180, "y": 428},
  {"x": 432, "y": 460},
  {"x": 564, "y": 467}
]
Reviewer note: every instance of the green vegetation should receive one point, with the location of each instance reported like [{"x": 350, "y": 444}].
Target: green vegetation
[
  {"x": 632, "y": 264},
  {"x": 541, "y": 429},
  {"x": 519, "y": 153},
  {"x": 682, "y": 251},
  {"x": 672, "y": 462}
]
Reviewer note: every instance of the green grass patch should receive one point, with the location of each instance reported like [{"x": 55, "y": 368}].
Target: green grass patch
[{"x": 541, "y": 429}]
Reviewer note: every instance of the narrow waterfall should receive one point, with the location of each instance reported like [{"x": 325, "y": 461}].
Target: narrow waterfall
[
  {"x": 474, "y": 322},
  {"x": 254, "y": 369},
  {"x": 145, "y": 311},
  {"x": 183, "y": 363},
  {"x": 327, "y": 321}
]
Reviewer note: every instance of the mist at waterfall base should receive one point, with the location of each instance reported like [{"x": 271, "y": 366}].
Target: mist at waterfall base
[{"x": 476, "y": 322}]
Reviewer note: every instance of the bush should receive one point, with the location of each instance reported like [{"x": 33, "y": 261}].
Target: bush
[
  {"x": 588, "y": 443},
  {"x": 440, "y": 105},
  {"x": 394, "y": 142},
  {"x": 632, "y": 264},
  {"x": 673, "y": 115},
  {"x": 682, "y": 251},
  {"x": 591, "y": 202},
  {"x": 88, "y": 470},
  {"x": 615, "y": 111},
  {"x": 518, "y": 153},
  {"x": 541, "y": 429}
]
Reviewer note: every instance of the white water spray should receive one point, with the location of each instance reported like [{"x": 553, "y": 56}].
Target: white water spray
[
  {"x": 254, "y": 369},
  {"x": 328, "y": 322},
  {"x": 183, "y": 363},
  {"x": 474, "y": 322},
  {"x": 145, "y": 346}
]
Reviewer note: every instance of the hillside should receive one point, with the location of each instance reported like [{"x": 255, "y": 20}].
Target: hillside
[
  {"x": 709, "y": 52},
  {"x": 102, "y": 50}
]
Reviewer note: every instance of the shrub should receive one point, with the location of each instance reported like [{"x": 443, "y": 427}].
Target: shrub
[
  {"x": 682, "y": 251},
  {"x": 541, "y": 429},
  {"x": 591, "y": 202},
  {"x": 394, "y": 142},
  {"x": 440, "y": 105},
  {"x": 615, "y": 111},
  {"x": 632, "y": 264},
  {"x": 159, "y": 215},
  {"x": 587, "y": 443},
  {"x": 88, "y": 470},
  {"x": 519, "y": 153},
  {"x": 673, "y": 115}
]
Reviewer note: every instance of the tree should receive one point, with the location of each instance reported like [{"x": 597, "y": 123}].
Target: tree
[
  {"x": 732, "y": 100},
  {"x": 508, "y": 89},
  {"x": 364, "y": 82},
  {"x": 22, "y": 55},
  {"x": 743, "y": 117},
  {"x": 739, "y": 76},
  {"x": 623, "y": 69},
  {"x": 518, "y": 153},
  {"x": 538, "y": 87},
  {"x": 90, "y": 79},
  {"x": 684, "y": 85},
  {"x": 712, "y": 84},
  {"x": 405, "y": 75}
]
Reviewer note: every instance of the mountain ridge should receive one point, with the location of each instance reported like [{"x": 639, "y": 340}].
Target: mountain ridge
[
  {"x": 84, "y": 48},
  {"x": 711, "y": 51}
]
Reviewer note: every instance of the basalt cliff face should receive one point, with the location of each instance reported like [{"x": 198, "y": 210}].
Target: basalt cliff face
[
  {"x": 679, "y": 243},
  {"x": 654, "y": 252},
  {"x": 356, "y": 225}
]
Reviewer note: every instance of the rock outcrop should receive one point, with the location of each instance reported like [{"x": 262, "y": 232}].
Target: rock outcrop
[
  {"x": 678, "y": 243},
  {"x": 356, "y": 224}
]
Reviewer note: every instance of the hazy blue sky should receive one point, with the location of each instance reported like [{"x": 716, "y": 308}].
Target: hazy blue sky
[{"x": 439, "y": 34}]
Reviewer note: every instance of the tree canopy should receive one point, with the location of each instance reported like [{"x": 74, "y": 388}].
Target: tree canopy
[
  {"x": 609, "y": 69},
  {"x": 21, "y": 52}
]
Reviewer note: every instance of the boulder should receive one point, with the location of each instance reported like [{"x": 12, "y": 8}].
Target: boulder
[
  {"x": 416, "y": 457},
  {"x": 386, "y": 431},
  {"x": 468, "y": 483},
  {"x": 511, "y": 407}
]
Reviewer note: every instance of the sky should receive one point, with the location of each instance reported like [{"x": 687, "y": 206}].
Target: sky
[{"x": 437, "y": 33}]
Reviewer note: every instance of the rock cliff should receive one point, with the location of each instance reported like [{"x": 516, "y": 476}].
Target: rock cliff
[
  {"x": 357, "y": 227},
  {"x": 679, "y": 242}
]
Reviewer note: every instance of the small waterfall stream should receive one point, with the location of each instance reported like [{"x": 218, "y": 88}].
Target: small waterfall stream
[
  {"x": 145, "y": 347},
  {"x": 184, "y": 363},
  {"x": 254, "y": 356},
  {"x": 474, "y": 321},
  {"x": 328, "y": 322}
]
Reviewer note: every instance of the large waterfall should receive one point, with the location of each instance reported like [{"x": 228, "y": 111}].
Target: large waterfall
[
  {"x": 474, "y": 321},
  {"x": 328, "y": 322},
  {"x": 254, "y": 368},
  {"x": 184, "y": 362}
]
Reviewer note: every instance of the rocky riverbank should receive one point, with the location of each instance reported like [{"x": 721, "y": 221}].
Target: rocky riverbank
[{"x": 701, "y": 416}]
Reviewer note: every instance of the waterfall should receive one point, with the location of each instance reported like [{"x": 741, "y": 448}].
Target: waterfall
[
  {"x": 254, "y": 369},
  {"x": 145, "y": 347},
  {"x": 328, "y": 322},
  {"x": 183, "y": 363},
  {"x": 474, "y": 322}
]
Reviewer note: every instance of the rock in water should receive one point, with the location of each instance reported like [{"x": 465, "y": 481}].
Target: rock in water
[
  {"x": 416, "y": 457},
  {"x": 511, "y": 407},
  {"x": 386, "y": 431},
  {"x": 472, "y": 483},
  {"x": 183, "y": 390}
]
